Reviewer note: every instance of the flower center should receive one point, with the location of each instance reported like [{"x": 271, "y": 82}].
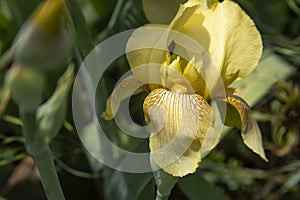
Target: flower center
[{"x": 180, "y": 89}]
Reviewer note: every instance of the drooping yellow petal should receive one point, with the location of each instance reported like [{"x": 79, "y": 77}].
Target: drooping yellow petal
[
  {"x": 238, "y": 115},
  {"x": 230, "y": 37},
  {"x": 179, "y": 123},
  {"x": 123, "y": 90}
]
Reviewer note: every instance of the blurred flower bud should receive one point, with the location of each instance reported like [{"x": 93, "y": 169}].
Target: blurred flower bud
[
  {"x": 43, "y": 42},
  {"x": 26, "y": 86}
]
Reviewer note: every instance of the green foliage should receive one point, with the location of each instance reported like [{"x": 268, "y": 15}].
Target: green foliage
[
  {"x": 120, "y": 185},
  {"x": 194, "y": 186}
]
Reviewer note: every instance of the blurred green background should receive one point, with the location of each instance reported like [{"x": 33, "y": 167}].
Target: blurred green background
[{"x": 230, "y": 171}]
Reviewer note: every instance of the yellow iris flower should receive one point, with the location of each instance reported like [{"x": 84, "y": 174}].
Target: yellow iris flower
[{"x": 182, "y": 121}]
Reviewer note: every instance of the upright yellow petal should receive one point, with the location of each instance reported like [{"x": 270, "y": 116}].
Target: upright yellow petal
[
  {"x": 172, "y": 77},
  {"x": 230, "y": 37},
  {"x": 179, "y": 123},
  {"x": 149, "y": 44},
  {"x": 146, "y": 51},
  {"x": 207, "y": 4},
  {"x": 194, "y": 71},
  {"x": 184, "y": 13}
]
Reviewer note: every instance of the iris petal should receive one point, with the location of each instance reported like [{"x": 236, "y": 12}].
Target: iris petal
[
  {"x": 123, "y": 90},
  {"x": 193, "y": 72},
  {"x": 145, "y": 48},
  {"x": 146, "y": 45},
  {"x": 230, "y": 37},
  {"x": 184, "y": 13},
  {"x": 238, "y": 115},
  {"x": 179, "y": 124}
]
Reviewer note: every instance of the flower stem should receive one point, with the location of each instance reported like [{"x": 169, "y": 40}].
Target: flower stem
[
  {"x": 29, "y": 125},
  {"x": 164, "y": 182},
  {"x": 41, "y": 153},
  {"x": 44, "y": 162},
  {"x": 161, "y": 197}
]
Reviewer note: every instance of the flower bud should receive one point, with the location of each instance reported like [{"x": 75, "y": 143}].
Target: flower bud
[
  {"x": 26, "y": 86},
  {"x": 44, "y": 43}
]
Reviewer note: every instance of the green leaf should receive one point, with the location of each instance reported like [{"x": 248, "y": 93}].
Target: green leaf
[
  {"x": 148, "y": 192},
  {"x": 76, "y": 172},
  {"x": 6, "y": 58},
  {"x": 123, "y": 186},
  {"x": 131, "y": 16},
  {"x": 104, "y": 7},
  {"x": 5, "y": 32},
  {"x": 79, "y": 30},
  {"x": 90, "y": 136},
  {"x": 10, "y": 155},
  {"x": 12, "y": 120},
  {"x": 126, "y": 15},
  {"x": 238, "y": 115},
  {"x": 264, "y": 18},
  {"x": 21, "y": 10},
  {"x": 292, "y": 181},
  {"x": 195, "y": 188}
]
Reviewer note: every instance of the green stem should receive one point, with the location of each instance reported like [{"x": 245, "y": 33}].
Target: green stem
[
  {"x": 29, "y": 125},
  {"x": 41, "y": 153},
  {"x": 44, "y": 162},
  {"x": 161, "y": 197},
  {"x": 164, "y": 182}
]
